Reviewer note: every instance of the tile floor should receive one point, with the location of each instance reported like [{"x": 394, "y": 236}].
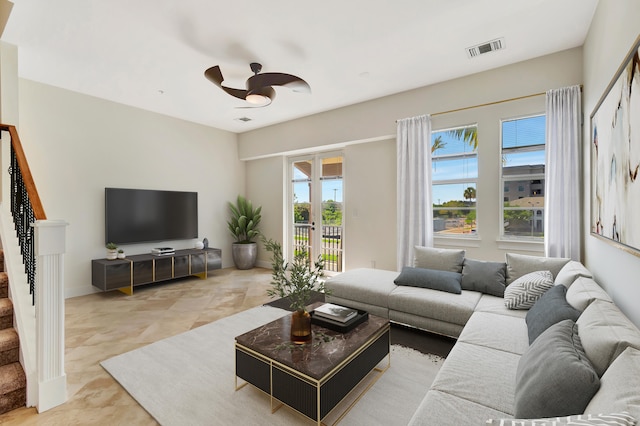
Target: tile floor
[{"x": 102, "y": 325}]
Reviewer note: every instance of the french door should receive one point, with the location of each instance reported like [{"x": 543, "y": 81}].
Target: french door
[{"x": 316, "y": 204}]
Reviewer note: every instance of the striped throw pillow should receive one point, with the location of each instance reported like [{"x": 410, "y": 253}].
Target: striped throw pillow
[
  {"x": 526, "y": 290},
  {"x": 618, "y": 419}
]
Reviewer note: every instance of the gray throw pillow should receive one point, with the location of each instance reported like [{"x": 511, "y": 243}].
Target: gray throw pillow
[
  {"x": 554, "y": 376},
  {"x": 485, "y": 277},
  {"x": 521, "y": 264},
  {"x": 430, "y": 278},
  {"x": 439, "y": 259},
  {"x": 551, "y": 308}
]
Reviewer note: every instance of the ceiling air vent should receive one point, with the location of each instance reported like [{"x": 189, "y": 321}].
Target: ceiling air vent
[
  {"x": 245, "y": 119},
  {"x": 487, "y": 47}
]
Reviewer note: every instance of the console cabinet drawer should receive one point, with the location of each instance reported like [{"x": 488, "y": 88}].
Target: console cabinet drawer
[
  {"x": 111, "y": 274},
  {"x": 197, "y": 263},
  {"x": 143, "y": 272},
  {"x": 163, "y": 268},
  {"x": 180, "y": 266}
]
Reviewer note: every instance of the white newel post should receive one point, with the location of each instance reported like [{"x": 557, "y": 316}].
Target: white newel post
[{"x": 49, "y": 295}]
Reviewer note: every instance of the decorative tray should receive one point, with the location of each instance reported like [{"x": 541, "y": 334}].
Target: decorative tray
[{"x": 338, "y": 326}]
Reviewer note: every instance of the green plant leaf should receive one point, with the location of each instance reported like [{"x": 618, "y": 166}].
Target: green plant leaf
[{"x": 244, "y": 220}]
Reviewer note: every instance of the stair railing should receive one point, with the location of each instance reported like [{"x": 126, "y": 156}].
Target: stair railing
[
  {"x": 26, "y": 206},
  {"x": 41, "y": 245}
]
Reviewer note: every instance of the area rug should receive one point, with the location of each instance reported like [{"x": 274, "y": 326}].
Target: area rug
[{"x": 189, "y": 379}]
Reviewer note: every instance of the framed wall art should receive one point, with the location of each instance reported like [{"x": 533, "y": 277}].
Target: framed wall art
[{"x": 615, "y": 158}]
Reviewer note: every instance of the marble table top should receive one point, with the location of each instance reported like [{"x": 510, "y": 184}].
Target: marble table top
[{"x": 316, "y": 359}]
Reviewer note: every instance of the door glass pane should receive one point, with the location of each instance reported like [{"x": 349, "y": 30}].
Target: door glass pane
[
  {"x": 301, "y": 182},
  {"x": 332, "y": 208}
]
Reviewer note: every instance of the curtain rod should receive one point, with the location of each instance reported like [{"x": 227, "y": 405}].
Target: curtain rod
[{"x": 490, "y": 103}]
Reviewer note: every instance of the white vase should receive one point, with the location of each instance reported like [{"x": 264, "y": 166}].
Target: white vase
[
  {"x": 112, "y": 254},
  {"x": 120, "y": 255}
]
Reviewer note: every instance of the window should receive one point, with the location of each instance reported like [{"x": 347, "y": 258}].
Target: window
[
  {"x": 454, "y": 168},
  {"x": 523, "y": 158}
]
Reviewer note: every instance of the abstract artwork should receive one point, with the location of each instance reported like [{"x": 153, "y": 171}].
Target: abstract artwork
[{"x": 615, "y": 158}]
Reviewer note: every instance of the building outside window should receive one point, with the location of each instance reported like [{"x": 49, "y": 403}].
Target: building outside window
[
  {"x": 523, "y": 174},
  {"x": 454, "y": 168}
]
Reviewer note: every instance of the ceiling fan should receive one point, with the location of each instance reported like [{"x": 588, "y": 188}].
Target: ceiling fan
[{"x": 259, "y": 90}]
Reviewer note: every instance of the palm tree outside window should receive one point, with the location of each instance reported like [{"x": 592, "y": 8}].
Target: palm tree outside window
[{"x": 454, "y": 171}]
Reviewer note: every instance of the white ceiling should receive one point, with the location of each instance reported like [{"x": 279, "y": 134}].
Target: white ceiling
[{"x": 152, "y": 54}]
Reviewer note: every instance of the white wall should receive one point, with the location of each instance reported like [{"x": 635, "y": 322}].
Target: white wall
[
  {"x": 369, "y": 219},
  {"x": 366, "y": 132},
  {"x": 267, "y": 190},
  {"x": 612, "y": 34},
  {"x": 77, "y": 145}
]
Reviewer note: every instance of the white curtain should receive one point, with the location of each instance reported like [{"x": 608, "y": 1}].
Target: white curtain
[
  {"x": 415, "y": 215},
  {"x": 562, "y": 186}
]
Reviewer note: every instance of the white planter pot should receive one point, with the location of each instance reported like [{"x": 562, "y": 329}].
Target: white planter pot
[{"x": 112, "y": 254}]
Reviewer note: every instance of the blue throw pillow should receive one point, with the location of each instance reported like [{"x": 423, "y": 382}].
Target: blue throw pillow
[
  {"x": 430, "y": 278},
  {"x": 551, "y": 308}
]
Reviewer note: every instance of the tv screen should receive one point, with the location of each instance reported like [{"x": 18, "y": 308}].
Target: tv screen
[{"x": 143, "y": 215}]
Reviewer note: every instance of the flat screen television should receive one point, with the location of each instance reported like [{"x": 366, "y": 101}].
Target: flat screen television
[{"x": 144, "y": 215}]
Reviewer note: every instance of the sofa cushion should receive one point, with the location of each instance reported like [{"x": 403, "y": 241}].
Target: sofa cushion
[
  {"x": 605, "y": 333},
  {"x": 441, "y": 408},
  {"x": 485, "y": 277},
  {"x": 521, "y": 264},
  {"x": 619, "y": 386},
  {"x": 507, "y": 333},
  {"x": 495, "y": 305},
  {"x": 584, "y": 291},
  {"x": 554, "y": 376},
  {"x": 432, "y": 325},
  {"x": 430, "y": 278},
  {"x": 479, "y": 374},
  {"x": 551, "y": 308},
  {"x": 425, "y": 302},
  {"x": 527, "y": 289},
  {"x": 571, "y": 272},
  {"x": 618, "y": 419},
  {"x": 441, "y": 259},
  {"x": 369, "y": 286}
]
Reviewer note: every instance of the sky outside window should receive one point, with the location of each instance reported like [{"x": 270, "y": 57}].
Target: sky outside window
[{"x": 331, "y": 189}]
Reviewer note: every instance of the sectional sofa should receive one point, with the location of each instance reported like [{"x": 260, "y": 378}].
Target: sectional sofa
[{"x": 536, "y": 337}]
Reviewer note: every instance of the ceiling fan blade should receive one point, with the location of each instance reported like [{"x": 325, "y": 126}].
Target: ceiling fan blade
[
  {"x": 279, "y": 79},
  {"x": 214, "y": 75}
]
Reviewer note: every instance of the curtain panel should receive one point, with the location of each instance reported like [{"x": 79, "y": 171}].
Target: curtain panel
[
  {"x": 414, "y": 209},
  {"x": 563, "y": 214}
]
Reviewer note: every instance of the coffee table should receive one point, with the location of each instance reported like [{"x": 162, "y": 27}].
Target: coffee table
[{"x": 312, "y": 378}]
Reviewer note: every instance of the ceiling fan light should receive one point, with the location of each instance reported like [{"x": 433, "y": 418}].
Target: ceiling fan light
[{"x": 256, "y": 99}]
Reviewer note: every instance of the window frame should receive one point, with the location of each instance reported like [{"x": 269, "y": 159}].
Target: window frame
[
  {"x": 463, "y": 181},
  {"x": 518, "y": 178}
]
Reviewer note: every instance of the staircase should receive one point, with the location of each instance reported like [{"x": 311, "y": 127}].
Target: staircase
[{"x": 13, "y": 383}]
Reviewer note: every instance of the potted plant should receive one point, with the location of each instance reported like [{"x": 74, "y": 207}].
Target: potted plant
[
  {"x": 295, "y": 281},
  {"x": 243, "y": 225},
  {"x": 112, "y": 251},
  {"x": 120, "y": 254}
]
